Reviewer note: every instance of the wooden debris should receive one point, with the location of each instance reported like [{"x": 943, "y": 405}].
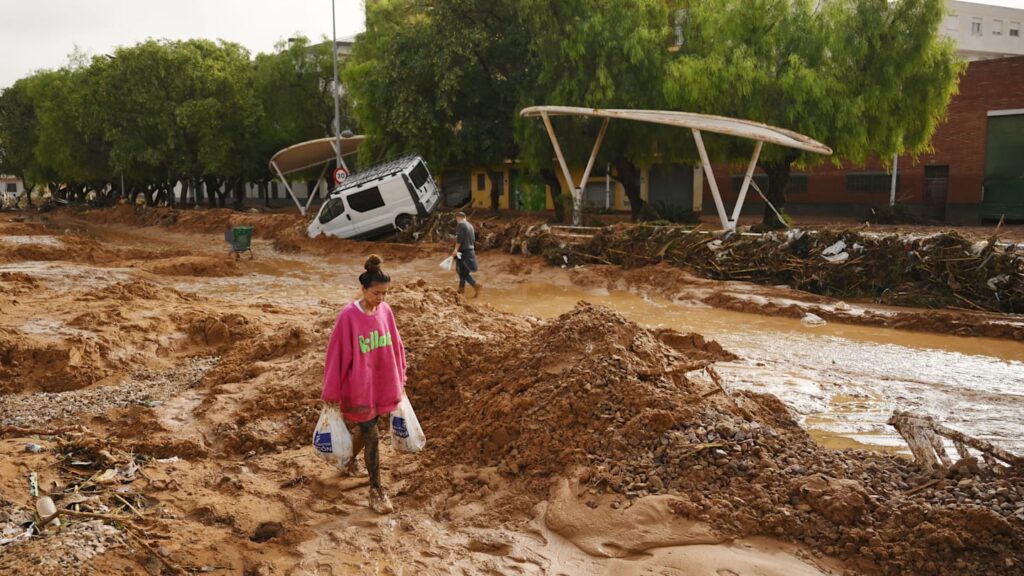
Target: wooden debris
[{"x": 924, "y": 437}]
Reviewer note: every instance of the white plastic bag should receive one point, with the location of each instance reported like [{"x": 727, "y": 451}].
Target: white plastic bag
[
  {"x": 331, "y": 438},
  {"x": 406, "y": 434},
  {"x": 447, "y": 263}
]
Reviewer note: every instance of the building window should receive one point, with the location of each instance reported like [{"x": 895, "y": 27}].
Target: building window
[
  {"x": 976, "y": 27},
  {"x": 997, "y": 27},
  {"x": 869, "y": 182},
  {"x": 952, "y": 22},
  {"x": 1015, "y": 29},
  {"x": 12, "y": 186},
  {"x": 480, "y": 183}
]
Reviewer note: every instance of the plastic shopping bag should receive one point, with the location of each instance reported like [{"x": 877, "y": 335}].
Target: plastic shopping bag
[
  {"x": 447, "y": 263},
  {"x": 331, "y": 438},
  {"x": 406, "y": 434}
]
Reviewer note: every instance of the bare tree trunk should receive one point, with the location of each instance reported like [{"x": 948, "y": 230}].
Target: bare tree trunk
[
  {"x": 497, "y": 184},
  {"x": 629, "y": 175},
  {"x": 552, "y": 181},
  {"x": 778, "y": 177}
]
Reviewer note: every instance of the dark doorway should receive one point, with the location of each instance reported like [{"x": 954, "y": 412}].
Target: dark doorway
[
  {"x": 671, "y": 186},
  {"x": 936, "y": 187}
]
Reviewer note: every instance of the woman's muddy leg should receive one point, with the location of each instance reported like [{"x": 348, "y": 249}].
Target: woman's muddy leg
[
  {"x": 357, "y": 439},
  {"x": 368, "y": 431}
]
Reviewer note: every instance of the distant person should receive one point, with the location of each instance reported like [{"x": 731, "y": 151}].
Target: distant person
[
  {"x": 465, "y": 254},
  {"x": 364, "y": 372}
]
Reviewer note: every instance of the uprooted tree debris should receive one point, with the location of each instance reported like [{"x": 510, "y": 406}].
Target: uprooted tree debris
[
  {"x": 924, "y": 437},
  {"x": 942, "y": 270}
]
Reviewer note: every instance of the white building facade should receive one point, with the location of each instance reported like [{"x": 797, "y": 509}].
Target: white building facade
[{"x": 983, "y": 31}]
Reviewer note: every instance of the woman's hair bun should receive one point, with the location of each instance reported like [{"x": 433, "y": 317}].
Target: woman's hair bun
[{"x": 373, "y": 263}]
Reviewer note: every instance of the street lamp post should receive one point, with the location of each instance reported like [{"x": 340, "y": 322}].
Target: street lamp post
[{"x": 337, "y": 113}]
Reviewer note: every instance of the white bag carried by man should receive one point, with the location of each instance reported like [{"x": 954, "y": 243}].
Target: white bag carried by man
[
  {"x": 406, "y": 434},
  {"x": 447, "y": 264},
  {"x": 331, "y": 438}
]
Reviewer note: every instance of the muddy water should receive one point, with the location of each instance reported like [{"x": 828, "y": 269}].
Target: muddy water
[{"x": 844, "y": 381}]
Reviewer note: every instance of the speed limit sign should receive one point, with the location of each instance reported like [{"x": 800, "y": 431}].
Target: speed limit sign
[{"x": 340, "y": 173}]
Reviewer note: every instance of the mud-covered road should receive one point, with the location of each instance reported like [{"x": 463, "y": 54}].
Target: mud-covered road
[{"x": 563, "y": 438}]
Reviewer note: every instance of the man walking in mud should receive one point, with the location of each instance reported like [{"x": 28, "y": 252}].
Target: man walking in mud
[{"x": 465, "y": 254}]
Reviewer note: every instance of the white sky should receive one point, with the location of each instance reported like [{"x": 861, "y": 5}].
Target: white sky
[{"x": 36, "y": 34}]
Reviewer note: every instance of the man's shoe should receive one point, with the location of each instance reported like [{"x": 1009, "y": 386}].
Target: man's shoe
[
  {"x": 476, "y": 290},
  {"x": 379, "y": 501}
]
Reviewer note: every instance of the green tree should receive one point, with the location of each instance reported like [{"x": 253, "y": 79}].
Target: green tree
[
  {"x": 868, "y": 78},
  {"x": 18, "y": 126},
  {"x": 440, "y": 78},
  {"x": 612, "y": 55},
  {"x": 293, "y": 85}
]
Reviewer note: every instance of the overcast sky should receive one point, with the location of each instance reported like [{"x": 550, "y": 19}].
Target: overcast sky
[{"x": 37, "y": 34}]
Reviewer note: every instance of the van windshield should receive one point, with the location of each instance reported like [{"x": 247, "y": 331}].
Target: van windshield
[
  {"x": 332, "y": 209},
  {"x": 419, "y": 175}
]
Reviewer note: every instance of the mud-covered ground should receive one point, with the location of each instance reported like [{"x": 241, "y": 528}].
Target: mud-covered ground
[{"x": 148, "y": 380}]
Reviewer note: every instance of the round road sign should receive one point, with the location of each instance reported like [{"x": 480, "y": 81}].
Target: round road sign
[{"x": 340, "y": 173}]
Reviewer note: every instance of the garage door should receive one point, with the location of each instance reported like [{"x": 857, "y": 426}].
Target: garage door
[{"x": 1004, "y": 168}]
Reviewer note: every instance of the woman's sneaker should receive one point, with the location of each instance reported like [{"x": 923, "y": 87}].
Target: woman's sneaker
[{"x": 379, "y": 501}]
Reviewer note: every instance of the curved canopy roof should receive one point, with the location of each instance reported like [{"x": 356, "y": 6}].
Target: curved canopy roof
[
  {"x": 312, "y": 153},
  {"x": 703, "y": 122}
]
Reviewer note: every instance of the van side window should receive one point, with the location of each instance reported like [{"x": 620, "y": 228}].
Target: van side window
[
  {"x": 419, "y": 175},
  {"x": 366, "y": 200},
  {"x": 331, "y": 210}
]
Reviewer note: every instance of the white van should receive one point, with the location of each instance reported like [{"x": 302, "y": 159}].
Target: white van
[{"x": 378, "y": 200}]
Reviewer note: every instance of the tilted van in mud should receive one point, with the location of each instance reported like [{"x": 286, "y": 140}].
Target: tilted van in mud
[{"x": 383, "y": 198}]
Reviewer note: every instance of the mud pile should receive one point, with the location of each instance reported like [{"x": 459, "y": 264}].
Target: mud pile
[{"x": 634, "y": 412}]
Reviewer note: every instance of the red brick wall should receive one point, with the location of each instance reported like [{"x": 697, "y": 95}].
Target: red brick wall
[{"x": 958, "y": 143}]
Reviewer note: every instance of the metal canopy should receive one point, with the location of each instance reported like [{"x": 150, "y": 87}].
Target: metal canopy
[
  {"x": 697, "y": 123},
  {"x": 309, "y": 154}
]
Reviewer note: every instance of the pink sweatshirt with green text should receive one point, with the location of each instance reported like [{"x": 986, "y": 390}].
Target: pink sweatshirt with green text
[{"x": 364, "y": 371}]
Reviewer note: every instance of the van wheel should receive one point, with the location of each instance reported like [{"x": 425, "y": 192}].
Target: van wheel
[{"x": 403, "y": 222}]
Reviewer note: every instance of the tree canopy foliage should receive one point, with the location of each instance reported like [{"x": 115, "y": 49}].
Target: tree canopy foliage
[
  {"x": 447, "y": 77},
  {"x": 870, "y": 78},
  {"x": 164, "y": 112}
]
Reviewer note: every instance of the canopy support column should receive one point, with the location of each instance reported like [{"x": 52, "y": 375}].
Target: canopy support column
[
  {"x": 288, "y": 188},
  {"x": 577, "y": 191},
  {"x": 726, "y": 225},
  {"x": 746, "y": 184},
  {"x": 309, "y": 197}
]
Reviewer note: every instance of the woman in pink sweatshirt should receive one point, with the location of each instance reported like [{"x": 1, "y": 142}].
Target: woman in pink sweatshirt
[{"x": 365, "y": 370}]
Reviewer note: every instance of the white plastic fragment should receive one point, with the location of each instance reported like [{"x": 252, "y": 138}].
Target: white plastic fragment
[
  {"x": 834, "y": 249},
  {"x": 836, "y": 259}
]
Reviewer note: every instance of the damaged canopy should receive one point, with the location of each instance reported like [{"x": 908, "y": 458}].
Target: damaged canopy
[{"x": 697, "y": 123}]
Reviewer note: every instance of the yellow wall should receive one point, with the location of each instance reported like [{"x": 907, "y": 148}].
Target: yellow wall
[{"x": 482, "y": 196}]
